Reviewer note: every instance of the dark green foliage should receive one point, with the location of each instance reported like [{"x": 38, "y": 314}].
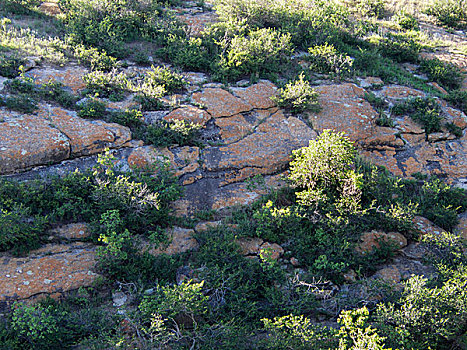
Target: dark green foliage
[
  {"x": 20, "y": 103},
  {"x": 149, "y": 103},
  {"x": 298, "y": 96},
  {"x": 253, "y": 54},
  {"x": 92, "y": 108},
  {"x": 111, "y": 85},
  {"x": 454, "y": 129},
  {"x": 132, "y": 118},
  {"x": 9, "y": 66},
  {"x": 162, "y": 134},
  {"x": 109, "y": 24},
  {"x": 371, "y": 8},
  {"x": 458, "y": 98},
  {"x": 161, "y": 76},
  {"x": 94, "y": 58},
  {"x": 425, "y": 111},
  {"x": 446, "y": 74},
  {"x": 19, "y": 7},
  {"x": 406, "y": 21},
  {"x": 326, "y": 59},
  {"x": 400, "y": 47},
  {"x": 451, "y": 13},
  {"x": 427, "y": 317},
  {"x": 19, "y": 230}
]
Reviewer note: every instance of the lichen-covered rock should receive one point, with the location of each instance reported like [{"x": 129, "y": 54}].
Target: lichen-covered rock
[
  {"x": 272, "y": 250},
  {"x": 250, "y": 246},
  {"x": 220, "y": 103},
  {"x": 395, "y": 93},
  {"x": 76, "y": 231},
  {"x": 258, "y": 95},
  {"x": 390, "y": 274},
  {"x": 373, "y": 240},
  {"x": 343, "y": 108},
  {"x": 28, "y": 141},
  {"x": 425, "y": 226},
  {"x": 71, "y": 76},
  {"x": 266, "y": 151},
  {"x": 52, "y": 269},
  {"x": 189, "y": 114},
  {"x": 181, "y": 240}
]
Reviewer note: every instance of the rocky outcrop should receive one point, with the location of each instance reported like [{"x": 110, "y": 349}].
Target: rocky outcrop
[
  {"x": 53, "y": 135},
  {"x": 51, "y": 270}
]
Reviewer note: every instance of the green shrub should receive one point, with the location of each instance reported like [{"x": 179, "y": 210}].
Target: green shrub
[
  {"x": 132, "y": 118},
  {"x": 19, "y": 7},
  {"x": 20, "y": 103},
  {"x": 406, "y": 20},
  {"x": 446, "y": 74},
  {"x": 9, "y": 66},
  {"x": 371, "y": 8},
  {"x": 298, "y": 96},
  {"x": 19, "y": 230},
  {"x": 446, "y": 250},
  {"x": 454, "y": 129},
  {"x": 162, "y": 134},
  {"x": 298, "y": 332},
  {"x": 326, "y": 59},
  {"x": 260, "y": 51},
  {"x": 401, "y": 47},
  {"x": 427, "y": 317},
  {"x": 94, "y": 58},
  {"x": 92, "y": 108},
  {"x": 112, "y": 85},
  {"x": 458, "y": 98},
  {"x": 149, "y": 103},
  {"x": 323, "y": 172},
  {"x": 162, "y": 77},
  {"x": 425, "y": 111},
  {"x": 451, "y": 13},
  {"x": 356, "y": 332}
]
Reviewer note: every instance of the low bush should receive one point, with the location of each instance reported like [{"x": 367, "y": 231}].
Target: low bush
[
  {"x": 425, "y": 111},
  {"x": 406, "y": 21},
  {"x": 260, "y": 51},
  {"x": 326, "y": 59},
  {"x": 400, "y": 47},
  {"x": 446, "y": 74},
  {"x": 20, "y": 103},
  {"x": 458, "y": 98},
  {"x": 111, "y": 85},
  {"x": 9, "y": 66},
  {"x": 451, "y": 13},
  {"x": 298, "y": 96},
  {"x": 92, "y": 108},
  {"x": 372, "y": 8},
  {"x": 164, "y": 134},
  {"x": 94, "y": 58}
]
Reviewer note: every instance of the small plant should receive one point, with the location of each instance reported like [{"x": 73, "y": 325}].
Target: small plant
[
  {"x": 323, "y": 172},
  {"x": 425, "y": 111},
  {"x": 401, "y": 47},
  {"x": 9, "y": 66},
  {"x": 458, "y": 98},
  {"x": 111, "y": 85},
  {"x": 261, "y": 51},
  {"x": 326, "y": 59},
  {"x": 446, "y": 74},
  {"x": 162, "y": 77},
  {"x": 178, "y": 132},
  {"x": 372, "y": 8},
  {"x": 94, "y": 58},
  {"x": 298, "y": 96},
  {"x": 454, "y": 129},
  {"x": 132, "y": 118},
  {"x": 406, "y": 21},
  {"x": 451, "y": 13},
  {"x": 92, "y": 108}
]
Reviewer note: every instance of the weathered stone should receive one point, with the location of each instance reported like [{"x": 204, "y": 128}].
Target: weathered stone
[
  {"x": 294, "y": 262},
  {"x": 234, "y": 128},
  {"x": 395, "y": 93},
  {"x": 350, "y": 276},
  {"x": 181, "y": 240},
  {"x": 267, "y": 150},
  {"x": 461, "y": 228},
  {"x": 28, "y": 141},
  {"x": 250, "y": 246},
  {"x": 220, "y": 103},
  {"x": 207, "y": 225},
  {"x": 425, "y": 226},
  {"x": 70, "y": 76},
  {"x": 370, "y": 82},
  {"x": 189, "y": 114},
  {"x": 49, "y": 270},
  {"x": 85, "y": 137},
  {"x": 258, "y": 95},
  {"x": 372, "y": 240},
  {"x": 272, "y": 250},
  {"x": 344, "y": 109},
  {"x": 390, "y": 274},
  {"x": 75, "y": 231}
]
